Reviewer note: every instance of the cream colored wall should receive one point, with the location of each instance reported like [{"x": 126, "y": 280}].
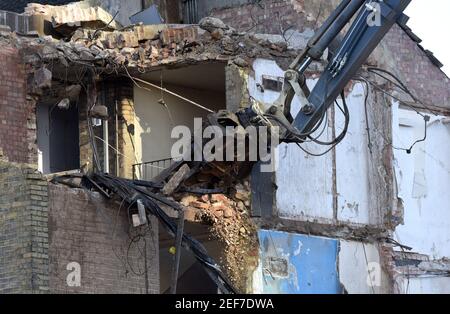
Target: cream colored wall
[{"x": 152, "y": 123}]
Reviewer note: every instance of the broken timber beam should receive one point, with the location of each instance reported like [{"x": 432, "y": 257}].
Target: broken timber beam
[{"x": 176, "y": 180}]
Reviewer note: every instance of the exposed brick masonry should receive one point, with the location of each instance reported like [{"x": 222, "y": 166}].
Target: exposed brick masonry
[
  {"x": 86, "y": 229},
  {"x": 416, "y": 70},
  {"x": 17, "y": 114},
  {"x": 23, "y": 230}
]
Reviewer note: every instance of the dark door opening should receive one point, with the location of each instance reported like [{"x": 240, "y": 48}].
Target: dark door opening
[
  {"x": 192, "y": 277},
  {"x": 58, "y": 138}
]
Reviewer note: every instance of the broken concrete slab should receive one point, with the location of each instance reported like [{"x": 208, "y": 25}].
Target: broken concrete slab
[
  {"x": 100, "y": 112},
  {"x": 66, "y": 18},
  {"x": 120, "y": 39},
  {"x": 43, "y": 78},
  {"x": 211, "y": 24},
  {"x": 176, "y": 179}
]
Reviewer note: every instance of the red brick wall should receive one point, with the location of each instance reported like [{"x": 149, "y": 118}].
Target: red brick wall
[
  {"x": 16, "y": 113},
  {"x": 416, "y": 70},
  {"x": 271, "y": 17},
  {"x": 86, "y": 228}
]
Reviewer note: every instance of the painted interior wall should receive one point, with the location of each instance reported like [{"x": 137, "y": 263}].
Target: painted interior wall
[
  {"x": 305, "y": 183},
  {"x": 423, "y": 179},
  {"x": 296, "y": 264},
  {"x": 154, "y": 123},
  {"x": 352, "y": 162},
  {"x": 360, "y": 269},
  {"x": 426, "y": 285}
]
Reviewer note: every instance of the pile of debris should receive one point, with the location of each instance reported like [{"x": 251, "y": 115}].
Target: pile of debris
[
  {"x": 153, "y": 45},
  {"x": 230, "y": 223},
  {"x": 139, "y": 47}
]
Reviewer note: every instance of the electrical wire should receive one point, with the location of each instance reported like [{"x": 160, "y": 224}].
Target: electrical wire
[
  {"x": 425, "y": 117},
  {"x": 131, "y": 192},
  {"x": 298, "y": 139}
]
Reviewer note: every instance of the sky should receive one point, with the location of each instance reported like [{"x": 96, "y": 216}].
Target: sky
[{"x": 430, "y": 20}]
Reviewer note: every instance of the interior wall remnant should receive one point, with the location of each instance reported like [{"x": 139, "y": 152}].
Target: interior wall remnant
[
  {"x": 427, "y": 285},
  {"x": 156, "y": 121},
  {"x": 422, "y": 179},
  {"x": 332, "y": 191},
  {"x": 361, "y": 270},
  {"x": 316, "y": 197},
  {"x": 157, "y": 113},
  {"x": 353, "y": 182},
  {"x": 297, "y": 264}
]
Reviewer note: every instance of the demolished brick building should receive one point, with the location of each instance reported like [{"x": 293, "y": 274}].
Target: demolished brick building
[{"x": 86, "y": 95}]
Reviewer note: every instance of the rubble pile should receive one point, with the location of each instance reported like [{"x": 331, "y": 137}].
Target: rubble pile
[
  {"x": 139, "y": 47},
  {"x": 153, "y": 45},
  {"x": 230, "y": 223}
]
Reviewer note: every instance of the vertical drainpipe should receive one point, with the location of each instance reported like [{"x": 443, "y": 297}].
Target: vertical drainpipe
[
  {"x": 117, "y": 139},
  {"x": 105, "y": 145},
  {"x": 105, "y": 134}
]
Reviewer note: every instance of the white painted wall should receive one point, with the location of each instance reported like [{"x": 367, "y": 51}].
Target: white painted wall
[
  {"x": 426, "y": 285},
  {"x": 43, "y": 137},
  {"x": 305, "y": 186},
  {"x": 354, "y": 269},
  {"x": 423, "y": 183},
  {"x": 352, "y": 162},
  {"x": 304, "y": 182}
]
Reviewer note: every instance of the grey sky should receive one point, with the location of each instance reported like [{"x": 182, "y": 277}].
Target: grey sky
[{"x": 430, "y": 20}]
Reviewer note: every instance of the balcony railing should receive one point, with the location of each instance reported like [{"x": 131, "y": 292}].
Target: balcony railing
[
  {"x": 151, "y": 169},
  {"x": 191, "y": 11}
]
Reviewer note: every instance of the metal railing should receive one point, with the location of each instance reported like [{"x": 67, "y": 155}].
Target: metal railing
[
  {"x": 190, "y": 12},
  {"x": 151, "y": 169}
]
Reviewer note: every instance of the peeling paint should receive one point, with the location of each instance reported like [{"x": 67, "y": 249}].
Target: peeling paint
[{"x": 297, "y": 264}]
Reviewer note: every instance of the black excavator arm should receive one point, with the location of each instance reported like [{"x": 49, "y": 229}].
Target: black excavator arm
[{"x": 372, "y": 19}]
